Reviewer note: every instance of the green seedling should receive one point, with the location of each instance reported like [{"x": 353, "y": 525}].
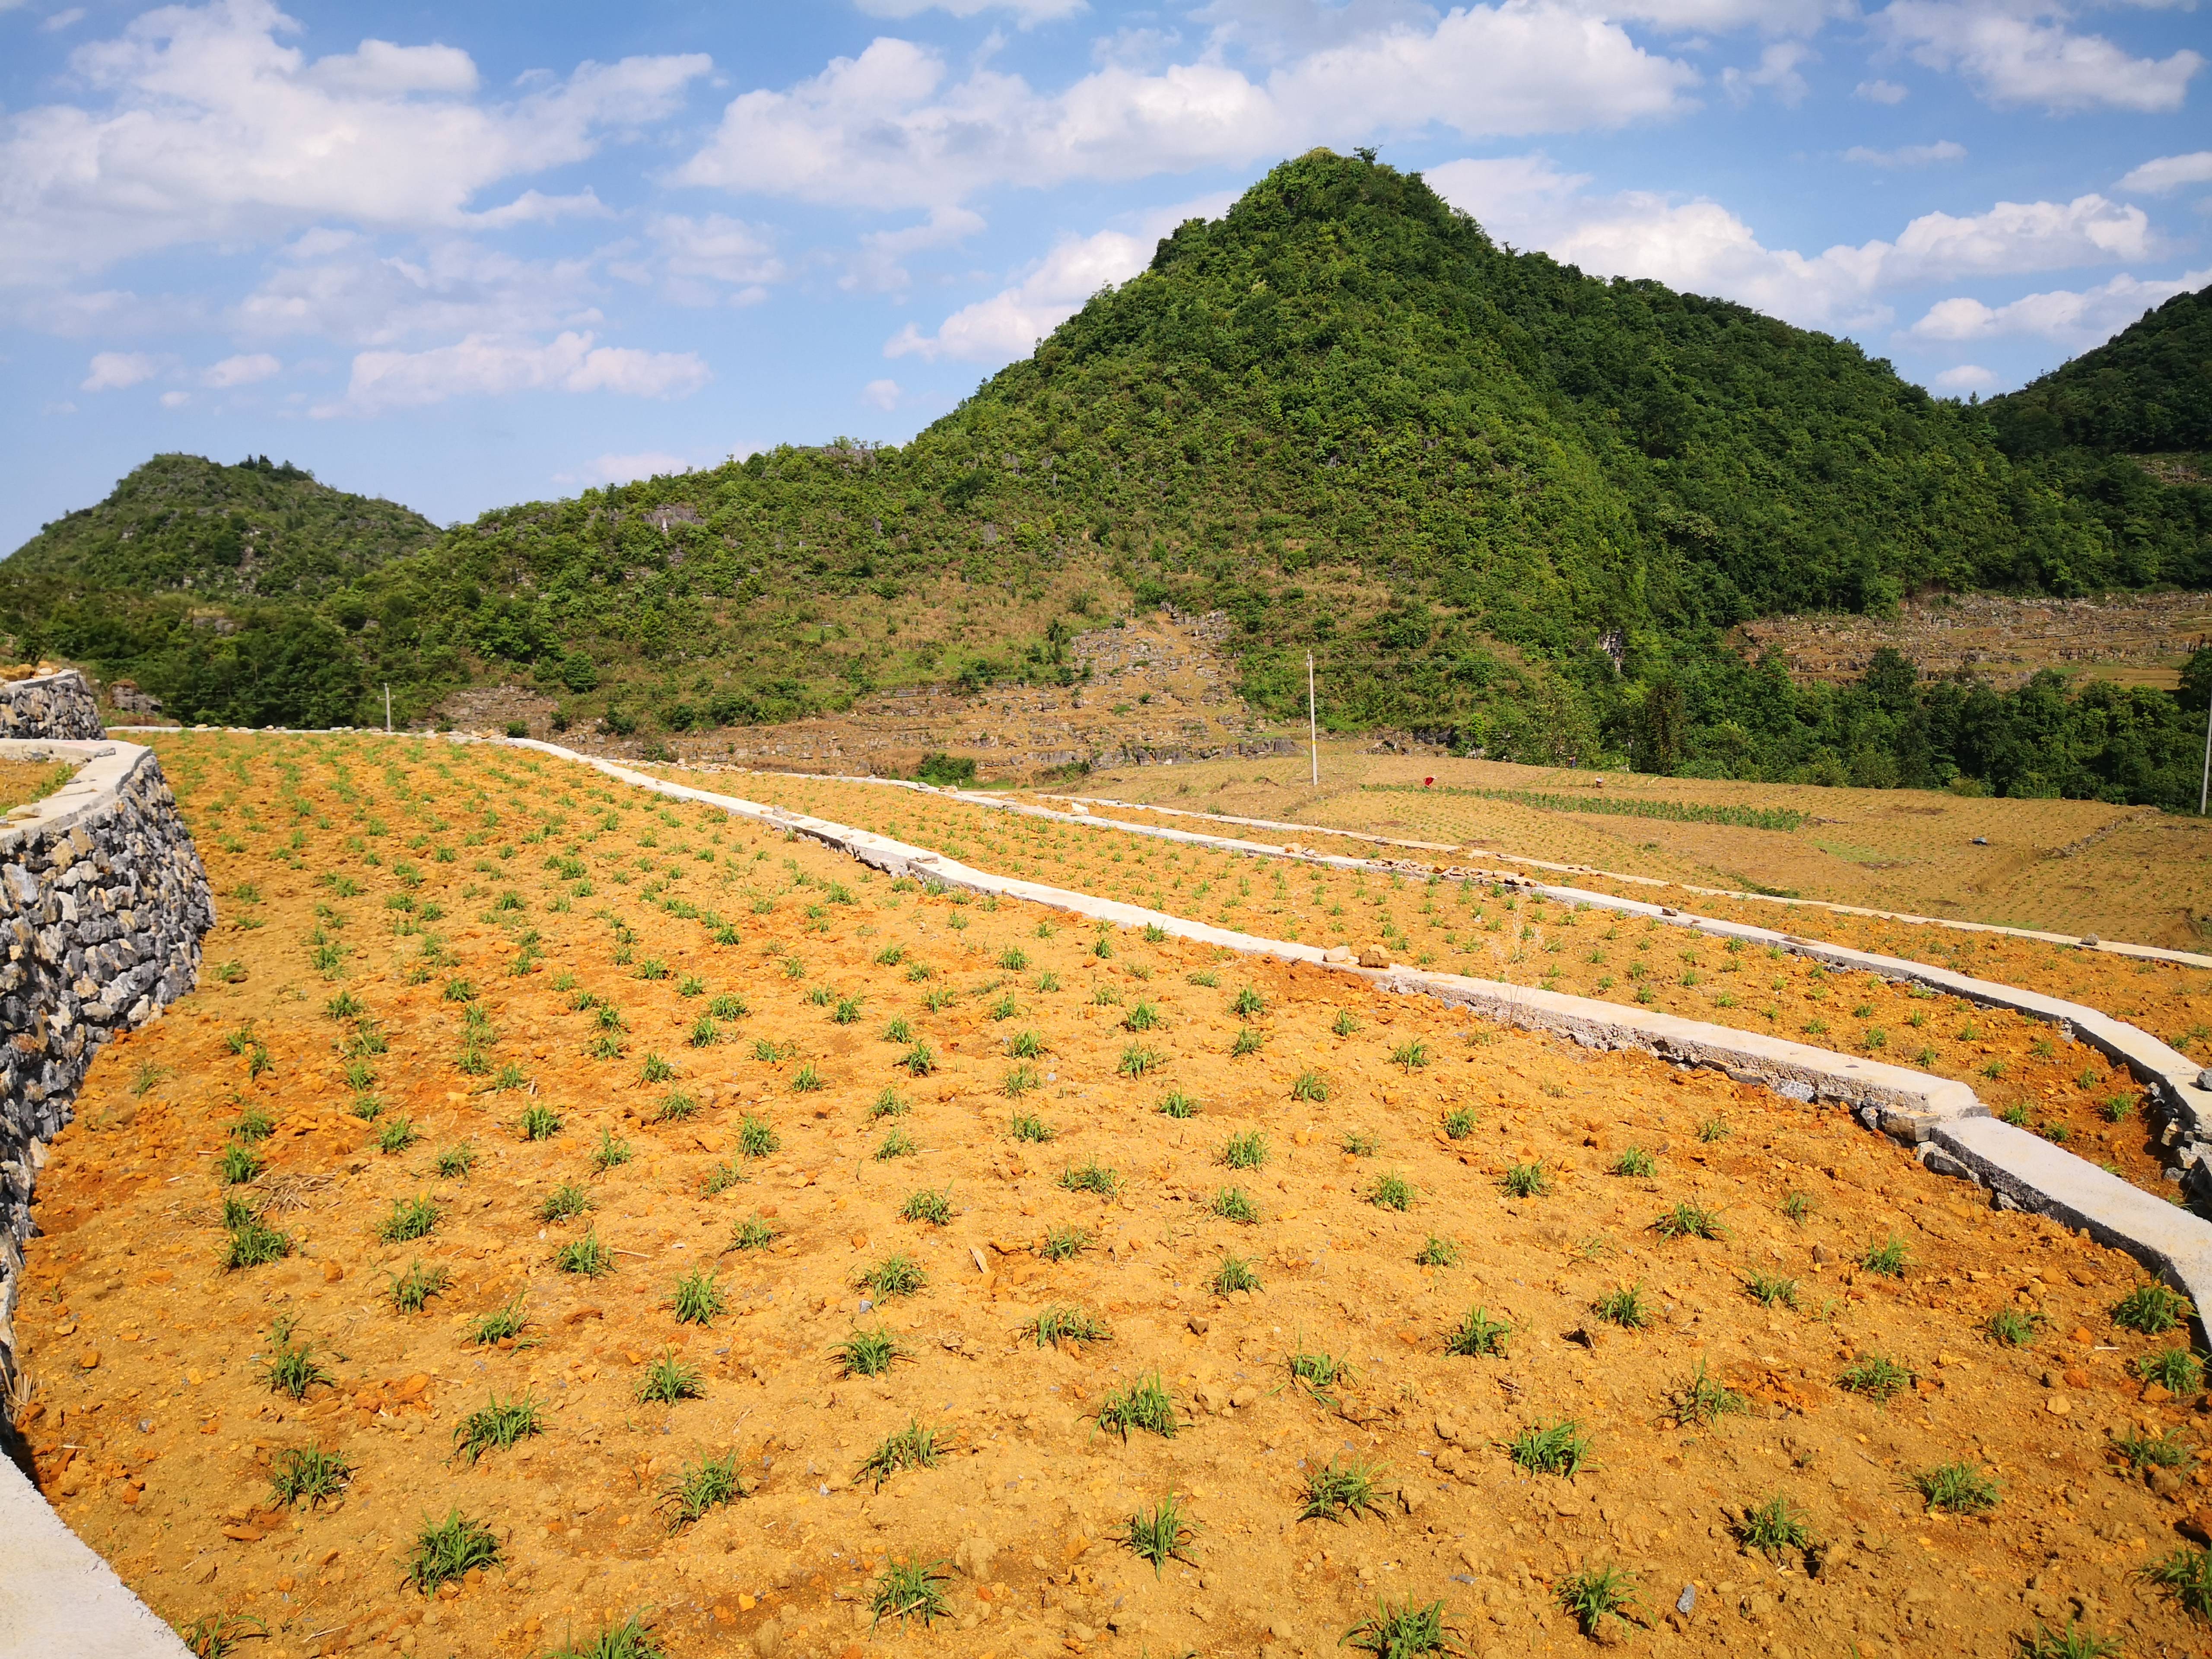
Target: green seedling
[
  {"x": 446, "y": 1550},
  {"x": 411, "y": 1219},
  {"x": 700, "y": 1487},
  {"x": 1436, "y": 1253},
  {"x": 896, "y": 1275},
  {"x": 1594, "y": 1593},
  {"x": 1887, "y": 1257},
  {"x": 2151, "y": 1309},
  {"x": 1065, "y": 1243},
  {"x": 1061, "y": 1323},
  {"x": 913, "y": 1447},
  {"x": 1956, "y": 1489},
  {"x": 1701, "y": 1400},
  {"x": 1160, "y": 1534},
  {"x": 934, "y": 1208},
  {"x": 1773, "y": 1527},
  {"x": 585, "y": 1255},
  {"x": 868, "y": 1354},
  {"x": 697, "y": 1300},
  {"x": 1405, "y": 1631},
  {"x": 906, "y": 1589},
  {"x": 1340, "y": 1491},
  {"x": 1879, "y": 1379},
  {"x": 303, "y": 1474},
  {"x": 1560, "y": 1449},
  {"x": 1235, "y": 1274},
  {"x": 410, "y": 1289},
  {"x": 503, "y": 1324},
  {"x": 498, "y": 1427},
  {"x": 1479, "y": 1336},
  {"x": 1144, "y": 1405},
  {"x": 668, "y": 1380}
]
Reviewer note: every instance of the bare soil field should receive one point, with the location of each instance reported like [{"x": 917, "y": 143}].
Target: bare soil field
[
  {"x": 2025, "y": 1070},
  {"x": 2137, "y": 639},
  {"x": 563, "y": 1213},
  {"x": 2126, "y": 873},
  {"x": 23, "y": 781}
]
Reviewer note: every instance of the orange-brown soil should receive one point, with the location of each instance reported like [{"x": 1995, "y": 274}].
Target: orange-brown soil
[
  {"x": 2128, "y": 873},
  {"x": 23, "y": 781},
  {"x": 2024, "y": 1069},
  {"x": 421, "y": 944}
]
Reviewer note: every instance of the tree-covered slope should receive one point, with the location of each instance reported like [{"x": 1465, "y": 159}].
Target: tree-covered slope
[
  {"x": 1494, "y": 496},
  {"x": 2146, "y": 391},
  {"x": 256, "y": 529}
]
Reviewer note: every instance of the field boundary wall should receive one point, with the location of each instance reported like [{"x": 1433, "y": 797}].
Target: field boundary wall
[
  {"x": 55, "y": 707},
  {"x": 103, "y": 904},
  {"x": 1951, "y": 1130}
]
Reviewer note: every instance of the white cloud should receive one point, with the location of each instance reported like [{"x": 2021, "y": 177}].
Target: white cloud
[
  {"x": 535, "y": 208},
  {"x": 334, "y": 285},
  {"x": 1881, "y": 92},
  {"x": 201, "y": 126},
  {"x": 112, "y": 370},
  {"x": 175, "y": 399},
  {"x": 1701, "y": 246},
  {"x": 880, "y": 266},
  {"x": 2076, "y": 321},
  {"x": 1907, "y": 156},
  {"x": 1008, "y": 324},
  {"x": 881, "y": 394},
  {"x": 628, "y": 469},
  {"x": 2170, "y": 173},
  {"x": 704, "y": 257},
  {"x": 1027, "y": 13},
  {"x": 889, "y": 128},
  {"x": 243, "y": 370},
  {"x": 1966, "y": 377},
  {"x": 2027, "y": 56},
  {"x": 491, "y": 365},
  {"x": 62, "y": 20},
  {"x": 1777, "y": 72}
]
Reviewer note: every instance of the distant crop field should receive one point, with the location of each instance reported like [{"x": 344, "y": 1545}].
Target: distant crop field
[
  {"x": 2128, "y": 873},
  {"x": 565, "y": 1216}
]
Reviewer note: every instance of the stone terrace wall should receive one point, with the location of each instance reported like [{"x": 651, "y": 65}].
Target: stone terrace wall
[
  {"x": 103, "y": 903},
  {"x": 50, "y": 706}
]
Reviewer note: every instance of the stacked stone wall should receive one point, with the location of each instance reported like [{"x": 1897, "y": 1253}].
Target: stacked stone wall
[
  {"x": 103, "y": 904},
  {"x": 58, "y": 705}
]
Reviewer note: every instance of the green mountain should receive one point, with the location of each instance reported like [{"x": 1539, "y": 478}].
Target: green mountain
[
  {"x": 2126, "y": 430},
  {"x": 1499, "y": 501},
  {"x": 253, "y": 530}
]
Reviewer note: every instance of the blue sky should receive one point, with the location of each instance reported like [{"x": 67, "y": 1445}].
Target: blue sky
[{"x": 463, "y": 256}]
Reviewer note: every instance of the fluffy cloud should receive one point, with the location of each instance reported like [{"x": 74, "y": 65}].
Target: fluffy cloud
[
  {"x": 1008, "y": 324},
  {"x": 1777, "y": 73},
  {"x": 112, "y": 371},
  {"x": 489, "y": 365},
  {"x": 2026, "y": 55},
  {"x": 704, "y": 259},
  {"x": 1966, "y": 377},
  {"x": 891, "y": 128},
  {"x": 2170, "y": 173},
  {"x": 881, "y": 394},
  {"x": 1881, "y": 92},
  {"x": 202, "y": 126},
  {"x": 336, "y": 285},
  {"x": 1907, "y": 156},
  {"x": 242, "y": 370},
  {"x": 2074, "y": 319},
  {"x": 1701, "y": 246}
]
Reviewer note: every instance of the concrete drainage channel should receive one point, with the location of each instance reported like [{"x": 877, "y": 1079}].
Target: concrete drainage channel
[{"x": 1951, "y": 1130}]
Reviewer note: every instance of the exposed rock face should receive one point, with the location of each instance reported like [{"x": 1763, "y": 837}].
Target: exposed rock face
[
  {"x": 59, "y": 705},
  {"x": 103, "y": 904}
]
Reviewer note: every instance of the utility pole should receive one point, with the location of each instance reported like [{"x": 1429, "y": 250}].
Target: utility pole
[
  {"x": 388, "y": 711},
  {"x": 2205, "y": 784},
  {"x": 1313, "y": 730}
]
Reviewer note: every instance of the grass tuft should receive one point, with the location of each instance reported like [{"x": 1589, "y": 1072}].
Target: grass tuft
[
  {"x": 1340, "y": 1491},
  {"x": 1594, "y": 1594},
  {"x": 1560, "y": 1449},
  {"x": 1144, "y": 1405},
  {"x": 304, "y": 1473},
  {"x": 498, "y": 1427},
  {"x": 697, "y": 1299},
  {"x": 1159, "y": 1535},
  {"x": 906, "y": 1589},
  {"x": 1405, "y": 1631},
  {"x": 702, "y": 1486},
  {"x": 668, "y": 1380},
  {"x": 1879, "y": 1379},
  {"x": 1956, "y": 1489},
  {"x": 445, "y": 1550},
  {"x": 2151, "y": 1309},
  {"x": 410, "y": 1289},
  {"x": 868, "y": 1354},
  {"x": 913, "y": 1447},
  {"x": 1235, "y": 1274},
  {"x": 1479, "y": 1336}
]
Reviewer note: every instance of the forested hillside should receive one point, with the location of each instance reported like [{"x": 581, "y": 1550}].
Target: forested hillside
[{"x": 1499, "y": 500}]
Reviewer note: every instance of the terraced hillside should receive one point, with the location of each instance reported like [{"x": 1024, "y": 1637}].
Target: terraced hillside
[{"x": 563, "y": 1213}]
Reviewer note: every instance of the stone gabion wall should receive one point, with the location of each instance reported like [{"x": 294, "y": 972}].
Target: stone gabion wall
[
  {"x": 50, "y": 706},
  {"x": 103, "y": 904}
]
